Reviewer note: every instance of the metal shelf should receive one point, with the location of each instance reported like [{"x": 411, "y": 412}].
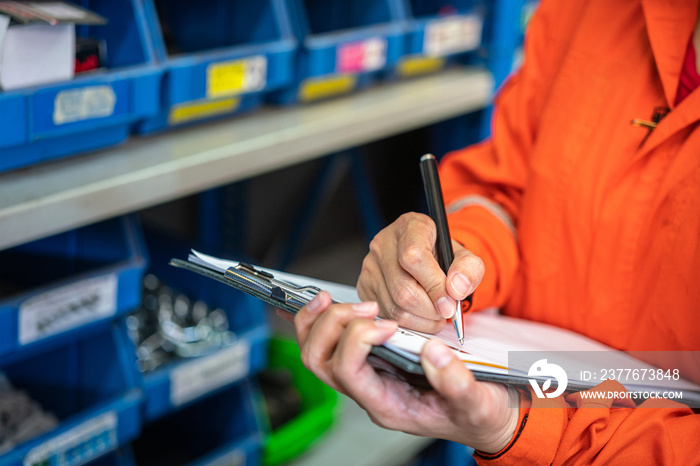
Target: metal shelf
[{"x": 65, "y": 194}]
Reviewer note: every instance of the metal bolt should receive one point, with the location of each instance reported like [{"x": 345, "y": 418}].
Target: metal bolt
[
  {"x": 169, "y": 324},
  {"x": 151, "y": 282}
]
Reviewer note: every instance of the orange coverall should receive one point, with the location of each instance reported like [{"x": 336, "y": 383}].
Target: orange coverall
[{"x": 587, "y": 222}]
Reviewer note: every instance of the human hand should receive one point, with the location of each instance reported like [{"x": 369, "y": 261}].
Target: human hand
[
  {"x": 335, "y": 340},
  {"x": 402, "y": 274}
]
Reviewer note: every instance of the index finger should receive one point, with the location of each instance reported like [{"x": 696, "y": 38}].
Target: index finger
[{"x": 417, "y": 257}]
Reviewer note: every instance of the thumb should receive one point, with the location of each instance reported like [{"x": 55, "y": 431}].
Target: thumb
[
  {"x": 465, "y": 273},
  {"x": 479, "y": 408},
  {"x": 447, "y": 374}
]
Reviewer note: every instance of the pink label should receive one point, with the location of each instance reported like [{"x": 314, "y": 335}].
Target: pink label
[{"x": 367, "y": 55}]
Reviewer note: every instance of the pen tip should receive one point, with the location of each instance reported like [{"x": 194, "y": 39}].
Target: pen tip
[{"x": 461, "y": 341}]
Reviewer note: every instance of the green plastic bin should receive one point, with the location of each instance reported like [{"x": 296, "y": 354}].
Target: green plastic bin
[{"x": 320, "y": 407}]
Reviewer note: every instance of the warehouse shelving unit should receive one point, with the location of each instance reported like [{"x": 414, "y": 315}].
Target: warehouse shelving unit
[
  {"x": 50, "y": 198},
  {"x": 62, "y": 195},
  {"x": 93, "y": 110},
  {"x": 65, "y": 194}
]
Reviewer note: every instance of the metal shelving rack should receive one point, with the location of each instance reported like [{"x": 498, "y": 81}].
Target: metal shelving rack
[
  {"x": 59, "y": 196},
  {"x": 54, "y": 197}
]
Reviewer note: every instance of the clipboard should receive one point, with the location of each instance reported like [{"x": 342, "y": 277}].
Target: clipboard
[
  {"x": 291, "y": 298},
  {"x": 274, "y": 288}
]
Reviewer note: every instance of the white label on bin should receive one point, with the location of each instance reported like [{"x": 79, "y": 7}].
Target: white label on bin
[
  {"x": 83, "y": 103},
  {"x": 236, "y": 76},
  {"x": 67, "y": 307},
  {"x": 452, "y": 35},
  {"x": 79, "y": 445},
  {"x": 358, "y": 57},
  {"x": 198, "y": 377}
]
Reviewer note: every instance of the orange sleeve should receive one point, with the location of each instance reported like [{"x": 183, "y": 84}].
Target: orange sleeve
[
  {"x": 483, "y": 184},
  {"x": 592, "y": 431}
]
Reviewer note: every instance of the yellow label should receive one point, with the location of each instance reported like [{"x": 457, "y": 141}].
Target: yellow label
[
  {"x": 236, "y": 76},
  {"x": 319, "y": 88},
  {"x": 225, "y": 78},
  {"x": 413, "y": 66},
  {"x": 190, "y": 111}
]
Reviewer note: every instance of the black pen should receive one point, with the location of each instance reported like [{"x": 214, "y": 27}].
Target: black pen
[{"x": 443, "y": 244}]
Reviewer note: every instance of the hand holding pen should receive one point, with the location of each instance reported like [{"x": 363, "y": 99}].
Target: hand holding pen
[
  {"x": 443, "y": 243},
  {"x": 402, "y": 274}
]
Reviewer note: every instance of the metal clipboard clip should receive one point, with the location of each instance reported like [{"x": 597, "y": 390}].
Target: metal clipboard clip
[{"x": 266, "y": 283}]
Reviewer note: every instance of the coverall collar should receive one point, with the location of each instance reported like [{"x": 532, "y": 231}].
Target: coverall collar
[{"x": 670, "y": 24}]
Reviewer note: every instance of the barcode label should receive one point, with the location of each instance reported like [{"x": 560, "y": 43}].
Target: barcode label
[
  {"x": 362, "y": 56},
  {"x": 452, "y": 35},
  {"x": 67, "y": 307},
  {"x": 78, "y": 445},
  {"x": 84, "y": 103},
  {"x": 201, "y": 376}
]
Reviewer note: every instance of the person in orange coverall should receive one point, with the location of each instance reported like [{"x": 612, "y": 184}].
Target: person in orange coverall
[{"x": 569, "y": 215}]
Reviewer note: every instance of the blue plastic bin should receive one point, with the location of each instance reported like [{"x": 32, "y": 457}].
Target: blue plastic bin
[
  {"x": 184, "y": 381},
  {"x": 221, "y": 56},
  {"x": 440, "y": 31},
  {"x": 223, "y": 429},
  {"x": 90, "y": 387},
  {"x": 344, "y": 45},
  {"x": 93, "y": 110},
  {"x": 55, "y": 288}
]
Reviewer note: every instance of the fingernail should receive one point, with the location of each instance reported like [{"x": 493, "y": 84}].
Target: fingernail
[
  {"x": 446, "y": 307},
  {"x": 437, "y": 354},
  {"x": 367, "y": 307},
  {"x": 460, "y": 284},
  {"x": 315, "y": 305}
]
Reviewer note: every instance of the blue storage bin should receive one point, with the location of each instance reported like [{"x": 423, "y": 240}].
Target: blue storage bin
[
  {"x": 95, "y": 109},
  {"x": 184, "y": 381},
  {"x": 440, "y": 30},
  {"x": 223, "y": 429},
  {"x": 343, "y": 45},
  {"x": 90, "y": 387},
  {"x": 221, "y": 56},
  {"x": 54, "y": 288}
]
